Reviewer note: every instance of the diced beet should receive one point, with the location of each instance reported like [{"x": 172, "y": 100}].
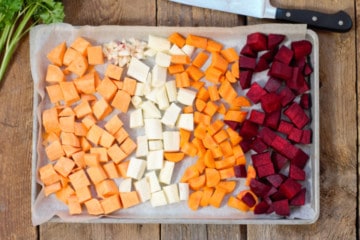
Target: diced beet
[
  {"x": 247, "y": 62},
  {"x": 274, "y": 40},
  {"x": 305, "y": 101},
  {"x": 297, "y": 115},
  {"x": 278, "y": 195},
  {"x": 248, "y": 129},
  {"x": 300, "y": 63},
  {"x": 280, "y": 70},
  {"x": 261, "y": 159},
  {"x": 296, "y": 173},
  {"x": 258, "y": 145},
  {"x": 261, "y": 207},
  {"x": 299, "y": 199},
  {"x": 286, "y": 96},
  {"x": 284, "y": 55},
  {"x": 232, "y": 124},
  {"x": 295, "y": 135},
  {"x": 280, "y": 145},
  {"x": 245, "y": 79},
  {"x": 290, "y": 188},
  {"x": 278, "y": 160},
  {"x": 272, "y": 119},
  {"x": 240, "y": 171},
  {"x": 270, "y": 102},
  {"x": 255, "y": 92},
  {"x": 273, "y": 190},
  {"x": 257, "y": 41},
  {"x": 249, "y": 199},
  {"x": 300, "y": 159},
  {"x": 285, "y": 127},
  {"x": 297, "y": 82},
  {"x": 272, "y": 85},
  {"x": 307, "y": 69},
  {"x": 269, "y": 55},
  {"x": 267, "y": 135},
  {"x": 260, "y": 189},
  {"x": 257, "y": 117},
  {"x": 281, "y": 207},
  {"x": 275, "y": 179},
  {"x": 301, "y": 48},
  {"x": 306, "y": 136},
  {"x": 248, "y": 51},
  {"x": 291, "y": 151},
  {"x": 261, "y": 65},
  {"x": 246, "y": 144},
  {"x": 265, "y": 170}
]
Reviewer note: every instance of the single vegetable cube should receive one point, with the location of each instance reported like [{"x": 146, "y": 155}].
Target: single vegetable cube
[
  {"x": 94, "y": 207},
  {"x": 111, "y": 204}
]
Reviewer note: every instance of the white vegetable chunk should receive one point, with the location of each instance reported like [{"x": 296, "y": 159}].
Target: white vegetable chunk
[
  {"x": 156, "y": 145},
  {"x": 142, "y": 146},
  {"x": 172, "y": 193},
  {"x": 188, "y": 50},
  {"x": 162, "y": 99},
  {"x": 163, "y": 59},
  {"x": 186, "y": 121},
  {"x": 183, "y": 191},
  {"x": 125, "y": 185},
  {"x": 153, "y": 181},
  {"x": 136, "y": 168},
  {"x": 136, "y": 101},
  {"x": 171, "y": 141},
  {"x": 171, "y": 115},
  {"x": 139, "y": 89},
  {"x": 150, "y": 52},
  {"x": 171, "y": 90},
  {"x": 175, "y": 50},
  {"x": 153, "y": 128},
  {"x": 142, "y": 187},
  {"x": 158, "y": 43},
  {"x": 158, "y": 199},
  {"x": 138, "y": 70},
  {"x": 136, "y": 118},
  {"x": 155, "y": 159},
  {"x": 158, "y": 76},
  {"x": 152, "y": 95},
  {"x": 150, "y": 110},
  {"x": 166, "y": 172},
  {"x": 186, "y": 96}
]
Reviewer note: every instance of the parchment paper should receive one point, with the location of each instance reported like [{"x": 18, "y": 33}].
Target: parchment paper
[{"x": 44, "y": 37}]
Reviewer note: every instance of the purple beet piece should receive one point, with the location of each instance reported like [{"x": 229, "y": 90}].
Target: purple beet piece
[
  {"x": 300, "y": 159},
  {"x": 273, "y": 190},
  {"x": 285, "y": 127},
  {"x": 261, "y": 65},
  {"x": 269, "y": 55},
  {"x": 261, "y": 207},
  {"x": 261, "y": 159},
  {"x": 257, "y": 117},
  {"x": 248, "y": 51},
  {"x": 267, "y": 135},
  {"x": 247, "y": 62},
  {"x": 290, "y": 188},
  {"x": 258, "y": 145},
  {"x": 245, "y": 78},
  {"x": 300, "y": 63},
  {"x": 286, "y": 96},
  {"x": 305, "y": 101},
  {"x": 232, "y": 124},
  {"x": 295, "y": 135},
  {"x": 255, "y": 92},
  {"x": 306, "y": 136},
  {"x": 246, "y": 144},
  {"x": 274, "y": 40},
  {"x": 278, "y": 160},
  {"x": 272, "y": 119},
  {"x": 297, "y": 82},
  {"x": 280, "y": 70},
  {"x": 296, "y": 173},
  {"x": 272, "y": 85},
  {"x": 278, "y": 195},
  {"x": 297, "y": 115},
  {"x": 265, "y": 170},
  {"x": 275, "y": 179},
  {"x": 240, "y": 171},
  {"x": 260, "y": 189},
  {"x": 284, "y": 55},
  {"x": 281, "y": 207},
  {"x": 301, "y": 48},
  {"x": 270, "y": 102},
  {"x": 249, "y": 199},
  {"x": 283, "y": 146},
  {"x": 299, "y": 199},
  {"x": 307, "y": 69},
  {"x": 257, "y": 41},
  {"x": 248, "y": 129}
]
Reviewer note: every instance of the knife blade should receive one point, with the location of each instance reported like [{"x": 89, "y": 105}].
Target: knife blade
[{"x": 337, "y": 22}]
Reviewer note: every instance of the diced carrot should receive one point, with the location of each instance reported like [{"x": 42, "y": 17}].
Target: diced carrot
[
  {"x": 194, "y": 73},
  {"x": 116, "y": 153},
  {"x": 197, "y": 84},
  {"x": 114, "y": 72},
  {"x": 176, "y": 68},
  {"x": 227, "y": 173},
  {"x": 80, "y": 129},
  {"x": 227, "y": 92},
  {"x": 94, "y": 134},
  {"x": 129, "y": 199},
  {"x": 54, "y": 150},
  {"x": 226, "y": 162},
  {"x": 101, "y": 109},
  {"x": 55, "y": 93},
  {"x": 203, "y": 94},
  {"x": 54, "y": 74},
  {"x": 52, "y": 188},
  {"x": 184, "y": 136},
  {"x": 121, "y": 135},
  {"x": 226, "y": 148},
  {"x": 213, "y": 93},
  {"x": 94, "y": 207},
  {"x": 237, "y": 116},
  {"x": 235, "y": 70},
  {"x": 95, "y": 55},
  {"x": 114, "y": 124},
  {"x": 182, "y": 80},
  {"x": 213, "y": 74},
  {"x": 194, "y": 200},
  {"x": 78, "y": 66},
  {"x": 200, "y": 146},
  {"x": 121, "y": 101},
  {"x": 217, "y": 152},
  {"x": 214, "y": 46},
  {"x": 79, "y": 179},
  {"x": 78, "y": 158},
  {"x": 211, "y": 108},
  {"x": 85, "y": 144},
  {"x": 89, "y": 120},
  {"x": 222, "y": 109},
  {"x": 209, "y": 141},
  {"x": 48, "y": 174},
  {"x": 56, "y": 55},
  {"x": 241, "y": 101},
  {"x": 86, "y": 83},
  {"x": 220, "y": 136},
  {"x": 197, "y": 183},
  {"x": 230, "y": 54},
  {"x": 209, "y": 159},
  {"x": 200, "y": 165},
  {"x": 129, "y": 85},
  {"x": 106, "y": 139},
  {"x": 50, "y": 120},
  {"x": 82, "y": 109},
  {"x": 207, "y": 193},
  {"x": 189, "y": 149},
  {"x": 180, "y": 59},
  {"x": 122, "y": 167},
  {"x": 200, "y": 131},
  {"x": 74, "y": 205},
  {"x": 69, "y": 56},
  {"x": 80, "y": 44},
  {"x": 106, "y": 188},
  {"x": 196, "y": 41},
  {"x": 177, "y": 39},
  {"x": 107, "y": 89},
  {"x": 212, "y": 177},
  {"x": 238, "y": 204},
  {"x": 230, "y": 77},
  {"x": 217, "y": 197},
  {"x": 200, "y": 59},
  {"x": 219, "y": 62},
  {"x": 189, "y": 173},
  {"x": 96, "y": 174},
  {"x": 67, "y": 124},
  {"x": 188, "y": 109},
  {"x": 111, "y": 204},
  {"x": 234, "y": 136},
  {"x": 215, "y": 127},
  {"x": 70, "y": 93},
  {"x": 128, "y": 146},
  {"x": 229, "y": 186},
  {"x": 174, "y": 156},
  {"x": 64, "y": 166},
  {"x": 200, "y": 104},
  {"x": 251, "y": 174},
  {"x": 202, "y": 118},
  {"x": 241, "y": 194}
]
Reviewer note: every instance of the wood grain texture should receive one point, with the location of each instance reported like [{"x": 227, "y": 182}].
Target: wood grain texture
[{"x": 338, "y": 139}]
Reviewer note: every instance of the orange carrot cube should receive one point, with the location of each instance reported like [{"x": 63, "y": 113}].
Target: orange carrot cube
[
  {"x": 230, "y": 54},
  {"x": 214, "y": 46},
  {"x": 196, "y": 41},
  {"x": 177, "y": 39},
  {"x": 221, "y": 136},
  {"x": 227, "y": 173},
  {"x": 200, "y": 59},
  {"x": 217, "y": 197},
  {"x": 213, "y": 92}
]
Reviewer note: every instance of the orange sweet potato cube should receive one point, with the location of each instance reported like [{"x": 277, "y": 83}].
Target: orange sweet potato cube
[
  {"x": 121, "y": 135},
  {"x": 114, "y": 72},
  {"x": 70, "y": 150},
  {"x": 129, "y": 199},
  {"x": 74, "y": 205},
  {"x": 79, "y": 129},
  {"x": 129, "y": 85},
  {"x": 80, "y": 44},
  {"x": 50, "y": 120},
  {"x": 128, "y": 146},
  {"x": 85, "y": 144},
  {"x": 56, "y": 55},
  {"x": 79, "y": 179},
  {"x": 83, "y": 194},
  {"x": 94, "y": 134},
  {"x": 78, "y": 158},
  {"x": 96, "y": 174},
  {"x": 106, "y": 139},
  {"x": 70, "y": 139},
  {"x": 217, "y": 197},
  {"x": 113, "y": 125},
  {"x": 123, "y": 167},
  {"x": 111, "y": 204},
  {"x": 121, "y": 101},
  {"x": 102, "y": 152},
  {"x": 116, "y": 153},
  {"x": 82, "y": 109},
  {"x": 86, "y": 84},
  {"x": 91, "y": 159},
  {"x": 70, "y": 93},
  {"x": 95, "y": 55},
  {"x": 101, "y": 109},
  {"x": 64, "y": 166},
  {"x": 55, "y": 93},
  {"x": 64, "y": 193},
  {"x": 48, "y": 175},
  {"x": 54, "y": 150},
  {"x": 67, "y": 124},
  {"x": 52, "y": 188},
  {"x": 107, "y": 89},
  {"x": 111, "y": 170},
  {"x": 89, "y": 120},
  {"x": 94, "y": 207},
  {"x": 106, "y": 188}
]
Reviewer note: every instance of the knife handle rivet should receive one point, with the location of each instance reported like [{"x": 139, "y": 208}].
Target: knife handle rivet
[
  {"x": 314, "y": 18},
  {"x": 341, "y": 22},
  {"x": 288, "y": 14}
]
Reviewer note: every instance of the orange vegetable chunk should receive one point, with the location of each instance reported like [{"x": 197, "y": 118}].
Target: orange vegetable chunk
[
  {"x": 78, "y": 66},
  {"x": 207, "y": 193},
  {"x": 70, "y": 93},
  {"x": 197, "y": 183},
  {"x": 64, "y": 166},
  {"x": 94, "y": 207},
  {"x": 234, "y": 115},
  {"x": 180, "y": 59},
  {"x": 64, "y": 193},
  {"x": 215, "y": 127},
  {"x": 101, "y": 109},
  {"x": 196, "y": 41},
  {"x": 230, "y": 54},
  {"x": 121, "y": 135},
  {"x": 209, "y": 159},
  {"x": 227, "y": 92},
  {"x": 114, "y": 72},
  {"x": 102, "y": 153},
  {"x": 111, "y": 204},
  {"x": 194, "y": 200},
  {"x": 190, "y": 172},
  {"x": 227, "y": 173},
  {"x": 50, "y": 120},
  {"x": 79, "y": 179},
  {"x": 128, "y": 146},
  {"x": 74, "y": 205},
  {"x": 52, "y": 188},
  {"x": 122, "y": 167},
  {"x": 107, "y": 89},
  {"x": 177, "y": 39},
  {"x": 69, "y": 56},
  {"x": 55, "y": 93},
  {"x": 121, "y": 101},
  {"x": 174, "y": 156},
  {"x": 176, "y": 68},
  {"x": 70, "y": 139},
  {"x": 238, "y": 204},
  {"x": 56, "y": 55},
  {"x": 214, "y": 46},
  {"x": 189, "y": 149},
  {"x": 106, "y": 139},
  {"x": 129, "y": 85},
  {"x": 94, "y": 134},
  {"x": 54, "y": 74},
  {"x": 200, "y": 59},
  {"x": 96, "y": 174},
  {"x": 212, "y": 177},
  {"x": 80, "y": 44},
  {"x": 92, "y": 159},
  {"x": 229, "y": 186},
  {"x": 106, "y": 188},
  {"x": 111, "y": 170},
  {"x": 217, "y": 197},
  {"x": 194, "y": 73},
  {"x": 67, "y": 124},
  {"x": 86, "y": 84},
  {"x": 129, "y": 199},
  {"x": 83, "y": 194},
  {"x": 54, "y": 150},
  {"x": 114, "y": 124},
  {"x": 219, "y": 62},
  {"x": 48, "y": 175},
  {"x": 116, "y": 153},
  {"x": 95, "y": 55}
]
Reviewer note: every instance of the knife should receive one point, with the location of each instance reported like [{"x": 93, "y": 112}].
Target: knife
[{"x": 337, "y": 22}]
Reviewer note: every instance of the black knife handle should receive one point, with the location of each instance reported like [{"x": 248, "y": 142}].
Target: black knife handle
[{"x": 337, "y": 22}]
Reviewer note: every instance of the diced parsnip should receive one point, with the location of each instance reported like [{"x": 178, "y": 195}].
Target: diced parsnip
[
  {"x": 153, "y": 128},
  {"x": 155, "y": 145},
  {"x": 186, "y": 96},
  {"x": 175, "y": 50},
  {"x": 153, "y": 181},
  {"x": 125, "y": 185},
  {"x": 139, "y": 90},
  {"x": 158, "y": 199},
  {"x": 155, "y": 159},
  {"x": 158, "y": 43},
  {"x": 136, "y": 168},
  {"x": 171, "y": 141},
  {"x": 158, "y": 76},
  {"x": 186, "y": 121},
  {"x": 171, "y": 90},
  {"x": 150, "y": 52},
  {"x": 136, "y": 118},
  {"x": 171, "y": 115},
  {"x": 166, "y": 172},
  {"x": 183, "y": 191},
  {"x": 136, "y": 101},
  {"x": 138, "y": 70},
  {"x": 152, "y": 95},
  {"x": 162, "y": 98},
  {"x": 142, "y": 146},
  {"x": 162, "y": 59},
  {"x": 188, "y": 50},
  {"x": 143, "y": 189},
  {"x": 150, "y": 110},
  {"x": 172, "y": 193}
]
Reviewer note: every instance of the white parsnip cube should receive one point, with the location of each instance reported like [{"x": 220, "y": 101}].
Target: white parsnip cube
[
  {"x": 153, "y": 128},
  {"x": 136, "y": 168},
  {"x": 183, "y": 191},
  {"x": 125, "y": 185},
  {"x": 136, "y": 101},
  {"x": 136, "y": 118},
  {"x": 158, "y": 76},
  {"x": 172, "y": 193},
  {"x": 153, "y": 181},
  {"x": 162, "y": 98},
  {"x": 186, "y": 121},
  {"x": 139, "y": 89},
  {"x": 171, "y": 141},
  {"x": 162, "y": 59},
  {"x": 158, "y": 199},
  {"x": 155, "y": 159},
  {"x": 156, "y": 145},
  {"x": 175, "y": 50},
  {"x": 158, "y": 43},
  {"x": 150, "y": 110},
  {"x": 188, "y": 50},
  {"x": 171, "y": 115},
  {"x": 142, "y": 187},
  {"x": 138, "y": 70},
  {"x": 166, "y": 172},
  {"x": 142, "y": 146},
  {"x": 171, "y": 90},
  {"x": 186, "y": 96}
]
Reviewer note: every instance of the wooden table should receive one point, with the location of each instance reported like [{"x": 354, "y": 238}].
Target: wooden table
[{"x": 338, "y": 120}]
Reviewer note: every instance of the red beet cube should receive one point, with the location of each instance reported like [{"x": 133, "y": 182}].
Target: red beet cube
[
  {"x": 272, "y": 119},
  {"x": 285, "y": 127},
  {"x": 245, "y": 79},
  {"x": 297, "y": 115},
  {"x": 270, "y": 102},
  {"x": 275, "y": 179},
  {"x": 261, "y": 159},
  {"x": 249, "y": 199},
  {"x": 284, "y": 55},
  {"x": 306, "y": 136},
  {"x": 247, "y": 62},
  {"x": 267, "y": 135},
  {"x": 240, "y": 171},
  {"x": 280, "y": 145},
  {"x": 258, "y": 145},
  {"x": 300, "y": 159},
  {"x": 272, "y": 85},
  {"x": 255, "y": 92},
  {"x": 248, "y": 129},
  {"x": 278, "y": 160},
  {"x": 232, "y": 124},
  {"x": 246, "y": 144},
  {"x": 248, "y": 51},
  {"x": 261, "y": 207},
  {"x": 281, "y": 207},
  {"x": 301, "y": 48},
  {"x": 260, "y": 189},
  {"x": 296, "y": 173},
  {"x": 257, "y": 117},
  {"x": 297, "y": 82},
  {"x": 290, "y": 188},
  {"x": 307, "y": 69},
  {"x": 269, "y": 55},
  {"x": 305, "y": 101},
  {"x": 280, "y": 70},
  {"x": 299, "y": 198},
  {"x": 257, "y": 41},
  {"x": 274, "y": 40},
  {"x": 261, "y": 65},
  {"x": 265, "y": 170},
  {"x": 286, "y": 96},
  {"x": 295, "y": 135},
  {"x": 278, "y": 195}
]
